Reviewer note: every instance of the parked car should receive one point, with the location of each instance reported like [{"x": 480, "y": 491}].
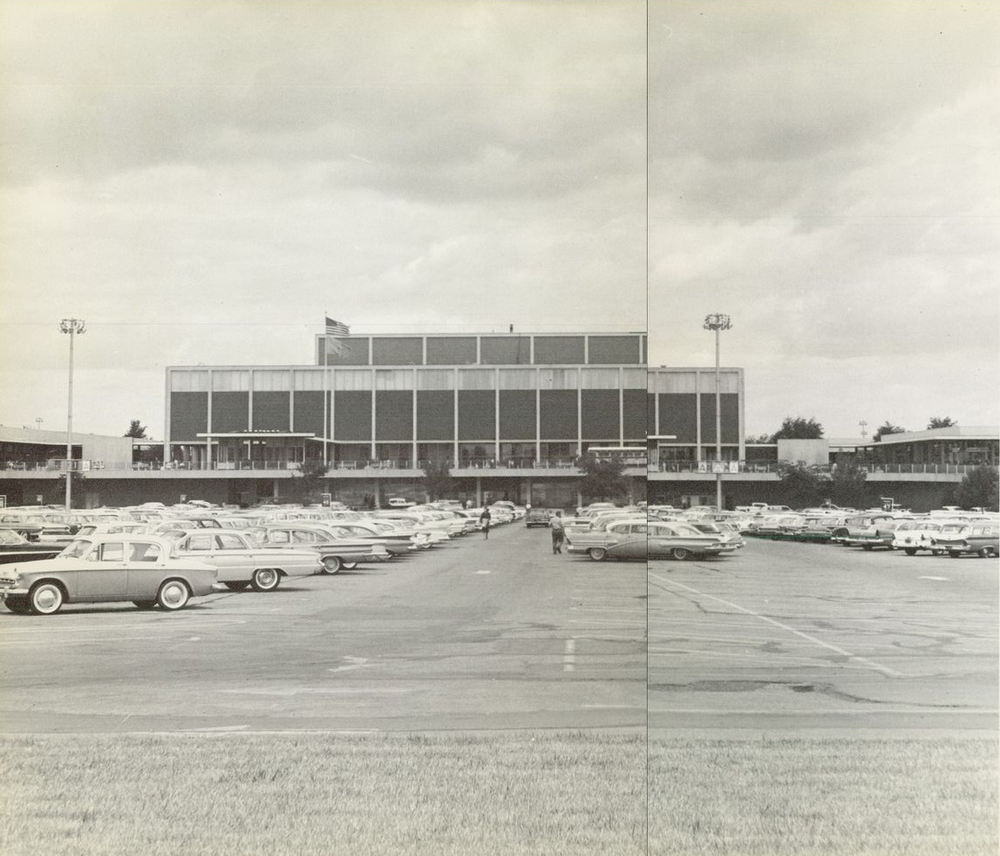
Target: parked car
[
  {"x": 539, "y": 516},
  {"x": 241, "y": 563},
  {"x": 978, "y": 539},
  {"x": 14, "y": 547},
  {"x": 337, "y": 547},
  {"x": 681, "y": 541},
  {"x": 880, "y": 534},
  {"x": 622, "y": 539},
  {"x": 137, "y": 568},
  {"x": 913, "y": 535}
]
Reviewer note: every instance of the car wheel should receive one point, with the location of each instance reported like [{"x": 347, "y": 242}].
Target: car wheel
[
  {"x": 265, "y": 579},
  {"x": 237, "y": 585},
  {"x": 332, "y": 565},
  {"x": 954, "y": 554},
  {"x": 597, "y": 553},
  {"x": 987, "y": 552},
  {"x": 144, "y": 604},
  {"x": 350, "y": 566},
  {"x": 866, "y": 546},
  {"x": 680, "y": 553},
  {"x": 910, "y": 551},
  {"x": 173, "y": 595},
  {"x": 18, "y": 605},
  {"x": 45, "y": 598}
]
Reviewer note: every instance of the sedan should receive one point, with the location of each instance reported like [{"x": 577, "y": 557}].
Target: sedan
[
  {"x": 106, "y": 568},
  {"x": 14, "y": 547}
]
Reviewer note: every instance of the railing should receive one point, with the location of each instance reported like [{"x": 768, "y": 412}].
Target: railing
[
  {"x": 518, "y": 463},
  {"x": 705, "y": 467}
]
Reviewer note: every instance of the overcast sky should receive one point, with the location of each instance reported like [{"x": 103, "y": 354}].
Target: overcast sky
[
  {"x": 201, "y": 181},
  {"x": 828, "y": 175}
]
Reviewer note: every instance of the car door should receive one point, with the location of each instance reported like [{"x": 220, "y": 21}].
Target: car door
[
  {"x": 658, "y": 540},
  {"x": 146, "y": 563},
  {"x": 230, "y": 555},
  {"x": 633, "y": 545},
  {"x": 103, "y": 574}
]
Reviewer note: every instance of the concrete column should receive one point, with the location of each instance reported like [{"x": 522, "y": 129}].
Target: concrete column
[
  {"x": 496, "y": 414},
  {"x": 697, "y": 416},
  {"x": 413, "y": 442},
  {"x": 373, "y": 415},
  {"x": 526, "y": 490},
  {"x": 579, "y": 417},
  {"x": 479, "y": 492},
  {"x": 454, "y": 445}
]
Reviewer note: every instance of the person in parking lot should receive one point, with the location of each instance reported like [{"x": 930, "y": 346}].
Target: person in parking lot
[
  {"x": 485, "y": 518},
  {"x": 558, "y": 532}
]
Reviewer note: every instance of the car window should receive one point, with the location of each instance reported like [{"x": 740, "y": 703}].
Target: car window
[
  {"x": 278, "y": 536},
  {"x": 301, "y": 536},
  {"x": 144, "y": 551},
  {"x": 111, "y": 551},
  {"x": 638, "y": 528},
  {"x": 229, "y": 542},
  {"x": 76, "y": 550},
  {"x": 202, "y": 543}
]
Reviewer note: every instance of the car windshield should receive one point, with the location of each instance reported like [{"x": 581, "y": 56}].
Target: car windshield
[
  {"x": 687, "y": 531},
  {"x": 9, "y": 537},
  {"x": 76, "y": 549}
]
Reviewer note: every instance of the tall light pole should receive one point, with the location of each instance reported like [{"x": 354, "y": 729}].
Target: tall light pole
[
  {"x": 75, "y": 327},
  {"x": 718, "y": 322}
]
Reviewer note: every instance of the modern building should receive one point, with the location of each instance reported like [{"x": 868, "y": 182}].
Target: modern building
[{"x": 508, "y": 412}]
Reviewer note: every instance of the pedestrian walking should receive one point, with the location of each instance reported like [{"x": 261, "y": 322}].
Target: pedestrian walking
[
  {"x": 558, "y": 533},
  {"x": 485, "y": 519}
]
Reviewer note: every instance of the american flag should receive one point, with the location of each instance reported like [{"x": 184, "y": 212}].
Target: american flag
[{"x": 336, "y": 328}]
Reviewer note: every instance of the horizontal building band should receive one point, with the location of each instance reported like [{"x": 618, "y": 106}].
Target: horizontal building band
[{"x": 483, "y": 349}]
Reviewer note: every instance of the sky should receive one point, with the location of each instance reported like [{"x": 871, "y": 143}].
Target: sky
[
  {"x": 828, "y": 175},
  {"x": 203, "y": 181}
]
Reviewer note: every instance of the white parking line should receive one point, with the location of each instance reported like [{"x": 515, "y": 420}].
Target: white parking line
[
  {"x": 936, "y": 579},
  {"x": 871, "y": 664},
  {"x": 569, "y": 657}
]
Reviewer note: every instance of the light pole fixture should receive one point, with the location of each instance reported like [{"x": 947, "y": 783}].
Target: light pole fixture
[
  {"x": 718, "y": 322},
  {"x": 74, "y": 327}
]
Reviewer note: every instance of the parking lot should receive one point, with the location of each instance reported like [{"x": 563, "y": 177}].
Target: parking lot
[
  {"x": 856, "y": 689},
  {"x": 474, "y": 634}
]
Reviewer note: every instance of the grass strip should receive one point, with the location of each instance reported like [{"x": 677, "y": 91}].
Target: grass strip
[
  {"x": 524, "y": 793},
  {"x": 806, "y": 797}
]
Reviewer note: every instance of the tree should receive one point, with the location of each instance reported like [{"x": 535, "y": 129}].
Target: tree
[
  {"x": 438, "y": 481},
  {"x": 802, "y": 485},
  {"x": 798, "y": 428},
  {"x": 887, "y": 428},
  {"x": 847, "y": 486},
  {"x": 136, "y": 429},
  {"x": 755, "y": 439},
  {"x": 312, "y": 473},
  {"x": 603, "y": 480},
  {"x": 941, "y": 422},
  {"x": 979, "y": 489}
]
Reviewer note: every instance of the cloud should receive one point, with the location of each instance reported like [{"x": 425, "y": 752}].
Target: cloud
[{"x": 827, "y": 180}]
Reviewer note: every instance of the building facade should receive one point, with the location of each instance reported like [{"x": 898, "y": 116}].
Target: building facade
[{"x": 509, "y": 413}]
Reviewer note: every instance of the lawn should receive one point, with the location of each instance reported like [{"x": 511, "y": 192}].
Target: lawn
[
  {"x": 800, "y": 797},
  {"x": 523, "y": 793}
]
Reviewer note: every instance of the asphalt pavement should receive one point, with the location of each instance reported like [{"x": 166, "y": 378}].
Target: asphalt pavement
[
  {"x": 815, "y": 639},
  {"x": 474, "y": 635}
]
